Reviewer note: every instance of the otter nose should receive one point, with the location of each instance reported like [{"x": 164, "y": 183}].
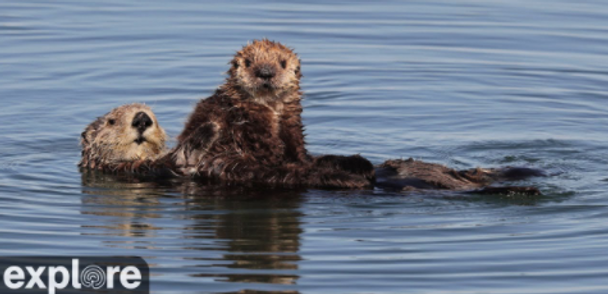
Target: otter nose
[
  {"x": 265, "y": 72},
  {"x": 141, "y": 122}
]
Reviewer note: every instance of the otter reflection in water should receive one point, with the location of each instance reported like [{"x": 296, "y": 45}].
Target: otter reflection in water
[
  {"x": 262, "y": 233},
  {"x": 257, "y": 233},
  {"x": 107, "y": 195}
]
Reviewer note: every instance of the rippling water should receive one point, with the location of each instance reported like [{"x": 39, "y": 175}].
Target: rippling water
[{"x": 473, "y": 83}]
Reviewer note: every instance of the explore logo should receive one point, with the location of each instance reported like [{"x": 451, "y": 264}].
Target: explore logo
[{"x": 64, "y": 275}]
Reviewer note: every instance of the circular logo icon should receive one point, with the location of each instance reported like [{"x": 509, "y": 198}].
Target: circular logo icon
[{"x": 93, "y": 277}]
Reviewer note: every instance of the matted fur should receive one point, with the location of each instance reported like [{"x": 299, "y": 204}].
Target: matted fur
[
  {"x": 251, "y": 129},
  {"x": 436, "y": 176}
]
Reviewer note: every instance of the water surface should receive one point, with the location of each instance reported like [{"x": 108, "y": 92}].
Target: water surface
[{"x": 466, "y": 84}]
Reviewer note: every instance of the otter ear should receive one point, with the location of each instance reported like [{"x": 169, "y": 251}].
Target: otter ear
[
  {"x": 297, "y": 71},
  {"x": 83, "y": 135}
]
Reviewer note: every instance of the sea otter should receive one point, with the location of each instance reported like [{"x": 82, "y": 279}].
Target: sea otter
[
  {"x": 123, "y": 139},
  {"x": 130, "y": 139},
  {"x": 250, "y": 129}
]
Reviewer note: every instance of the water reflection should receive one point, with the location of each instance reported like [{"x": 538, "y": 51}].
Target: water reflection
[
  {"x": 130, "y": 201},
  {"x": 257, "y": 230},
  {"x": 262, "y": 233}
]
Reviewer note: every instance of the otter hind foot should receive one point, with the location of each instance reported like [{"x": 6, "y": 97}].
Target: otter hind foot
[
  {"x": 518, "y": 173},
  {"x": 507, "y": 190},
  {"x": 388, "y": 178}
]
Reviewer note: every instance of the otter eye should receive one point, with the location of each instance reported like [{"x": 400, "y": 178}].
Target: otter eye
[
  {"x": 247, "y": 62},
  {"x": 297, "y": 69},
  {"x": 235, "y": 64},
  {"x": 283, "y": 64},
  {"x": 111, "y": 121}
]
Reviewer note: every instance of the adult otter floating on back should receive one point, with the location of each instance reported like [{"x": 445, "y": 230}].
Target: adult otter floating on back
[
  {"x": 130, "y": 139},
  {"x": 250, "y": 130}
]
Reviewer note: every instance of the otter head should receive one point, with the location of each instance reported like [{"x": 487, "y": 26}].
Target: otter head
[
  {"x": 266, "y": 71},
  {"x": 129, "y": 132}
]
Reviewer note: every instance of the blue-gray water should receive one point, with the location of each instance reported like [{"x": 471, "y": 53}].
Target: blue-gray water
[{"x": 463, "y": 83}]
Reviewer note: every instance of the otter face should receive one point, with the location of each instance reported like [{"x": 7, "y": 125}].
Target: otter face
[
  {"x": 129, "y": 132},
  {"x": 266, "y": 70}
]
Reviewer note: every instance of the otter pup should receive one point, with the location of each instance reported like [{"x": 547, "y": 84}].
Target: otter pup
[
  {"x": 123, "y": 139},
  {"x": 250, "y": 129}
]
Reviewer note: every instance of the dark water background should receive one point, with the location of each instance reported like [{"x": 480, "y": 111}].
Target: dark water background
[{"x": 463, "y": 83}]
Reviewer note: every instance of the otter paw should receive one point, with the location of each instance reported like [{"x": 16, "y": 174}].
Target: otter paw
[{"x": 202, "y": 137}]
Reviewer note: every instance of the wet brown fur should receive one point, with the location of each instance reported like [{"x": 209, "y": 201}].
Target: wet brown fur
[
  {"x": 414, "y": 175},
  {"x": 251, "y": 129}
]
